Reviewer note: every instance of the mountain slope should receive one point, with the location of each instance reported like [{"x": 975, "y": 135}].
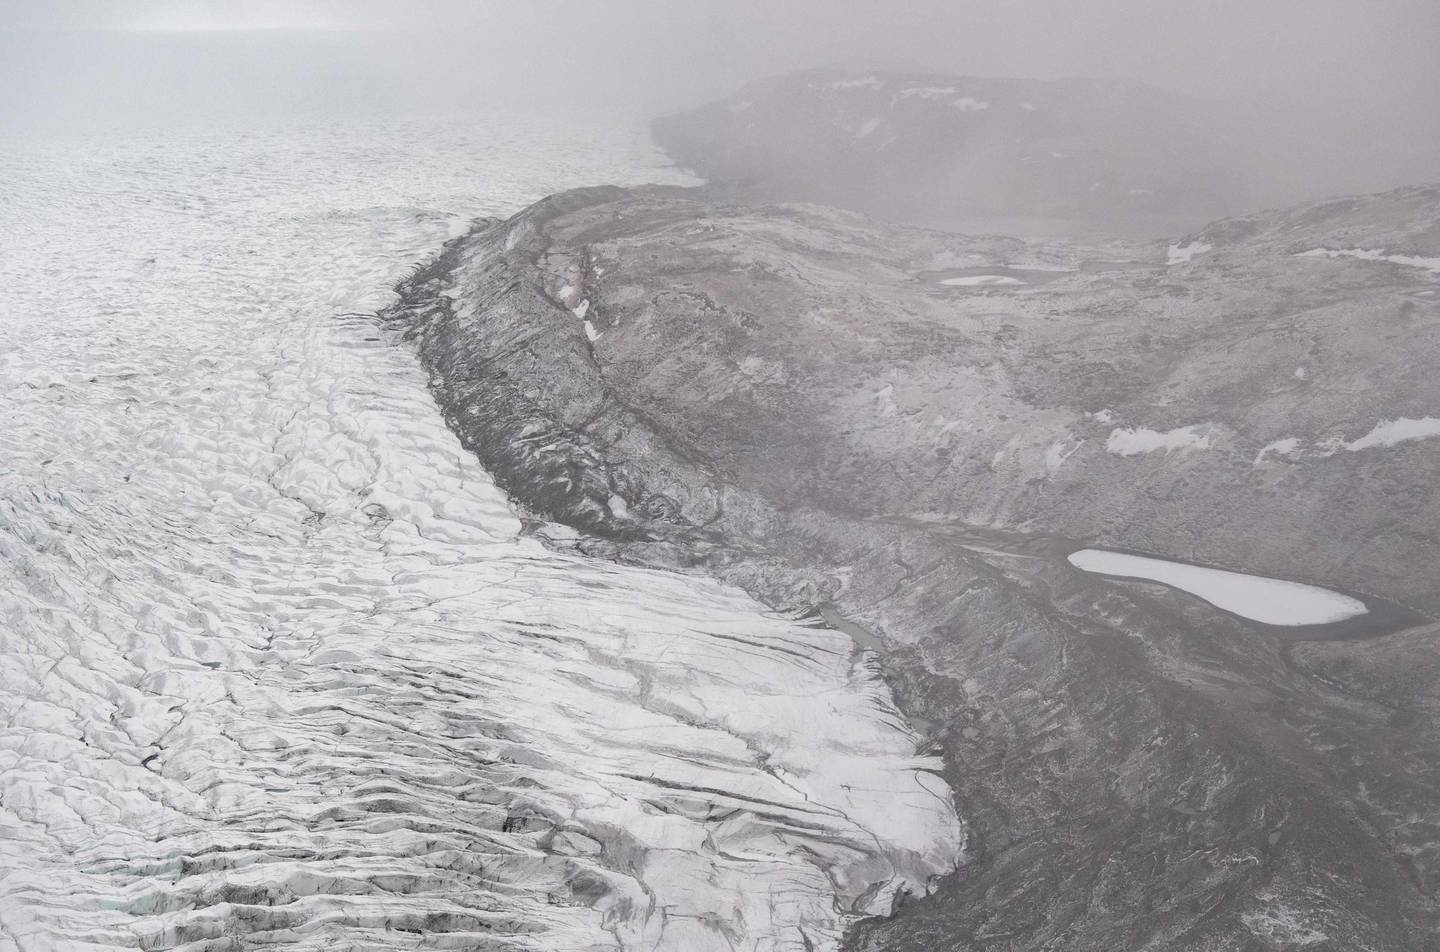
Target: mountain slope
[
  {"x": 795, "y": 400},
  {"x": 939, "y": 149}
]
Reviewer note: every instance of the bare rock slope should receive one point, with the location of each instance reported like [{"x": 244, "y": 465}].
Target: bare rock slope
[
  {"x": 908, "y": 432},
  {"x": 937, "y": 148}
]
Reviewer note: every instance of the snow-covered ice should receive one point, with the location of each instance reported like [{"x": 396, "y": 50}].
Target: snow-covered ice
[
  {"x": 1270, "y": 601},
  {"x": 278, "y": 665}
]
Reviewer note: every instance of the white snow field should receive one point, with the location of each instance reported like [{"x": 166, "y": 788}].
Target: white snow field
[
  {"x": 1271, "y": 601},
  {"x": 278, "y": 666}
]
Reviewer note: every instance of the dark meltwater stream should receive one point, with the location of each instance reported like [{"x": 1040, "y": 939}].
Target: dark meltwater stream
[{"x": 278, "y": 666}]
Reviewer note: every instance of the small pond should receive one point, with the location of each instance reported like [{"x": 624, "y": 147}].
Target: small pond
[
  {"x": 993, "y": 276},
  {"x": 1297, "y": 610}
]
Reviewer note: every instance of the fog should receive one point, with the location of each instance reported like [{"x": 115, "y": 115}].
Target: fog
[{"x": 1344, "y": 92}]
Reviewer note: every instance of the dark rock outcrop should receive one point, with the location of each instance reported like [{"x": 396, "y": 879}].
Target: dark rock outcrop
[{"x": 790, "y": 398}]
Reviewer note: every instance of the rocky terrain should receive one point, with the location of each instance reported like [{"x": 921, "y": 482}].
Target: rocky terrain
[
  {"x": 956, "y": 150},
  {"x": 906, "y": 432}
]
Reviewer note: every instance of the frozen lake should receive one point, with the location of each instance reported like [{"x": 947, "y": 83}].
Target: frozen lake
[
  {"x": 1270, "y": 601},
  {"x": 996, "y": 277},
  {"x": 277, "y": 663}
]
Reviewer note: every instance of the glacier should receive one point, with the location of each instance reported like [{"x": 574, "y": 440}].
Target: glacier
[{"x": 280, "y": 664}]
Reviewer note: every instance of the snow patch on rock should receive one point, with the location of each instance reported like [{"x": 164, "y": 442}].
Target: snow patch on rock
[
  {"x": 1374, "y": 254},
  {"x": 1181, "y": 254},
  {"x": 1134, "y": 441},
  {"x": 1287, "y": 447},
  {"x": 866, "y": 82},
  {"x": 928, "y": 92},
  {"x": 1058, "y": 452},
  {"x": 1391, "y": 432}
]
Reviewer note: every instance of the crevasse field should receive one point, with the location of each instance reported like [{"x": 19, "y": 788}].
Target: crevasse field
[{"x": 278, "y": 666}]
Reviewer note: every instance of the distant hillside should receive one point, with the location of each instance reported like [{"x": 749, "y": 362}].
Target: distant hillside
[
  {"x": 942, "y": 150},
  {"x": 1404, "y": 223}
]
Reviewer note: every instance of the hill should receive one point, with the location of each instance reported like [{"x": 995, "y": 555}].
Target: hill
[
  {"x": 949, "y": 150},
  {"x": 911, "y": 433}
]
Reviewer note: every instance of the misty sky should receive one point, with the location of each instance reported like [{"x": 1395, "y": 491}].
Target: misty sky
[
  {"x": 1225, "y": 48},
  {"x": 1221, "y": 47},
  {"x": 1342, "y": 71}
]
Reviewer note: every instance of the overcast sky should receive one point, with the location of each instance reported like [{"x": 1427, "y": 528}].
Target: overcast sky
[
  {"x": 1343, "y": 69},
  {"x": 1346, "y": 48}
]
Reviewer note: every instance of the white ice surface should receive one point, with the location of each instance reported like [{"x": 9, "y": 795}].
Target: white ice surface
[
  {"x": 1267, "y": 600},
  {"x": 278, "y": 667}
]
